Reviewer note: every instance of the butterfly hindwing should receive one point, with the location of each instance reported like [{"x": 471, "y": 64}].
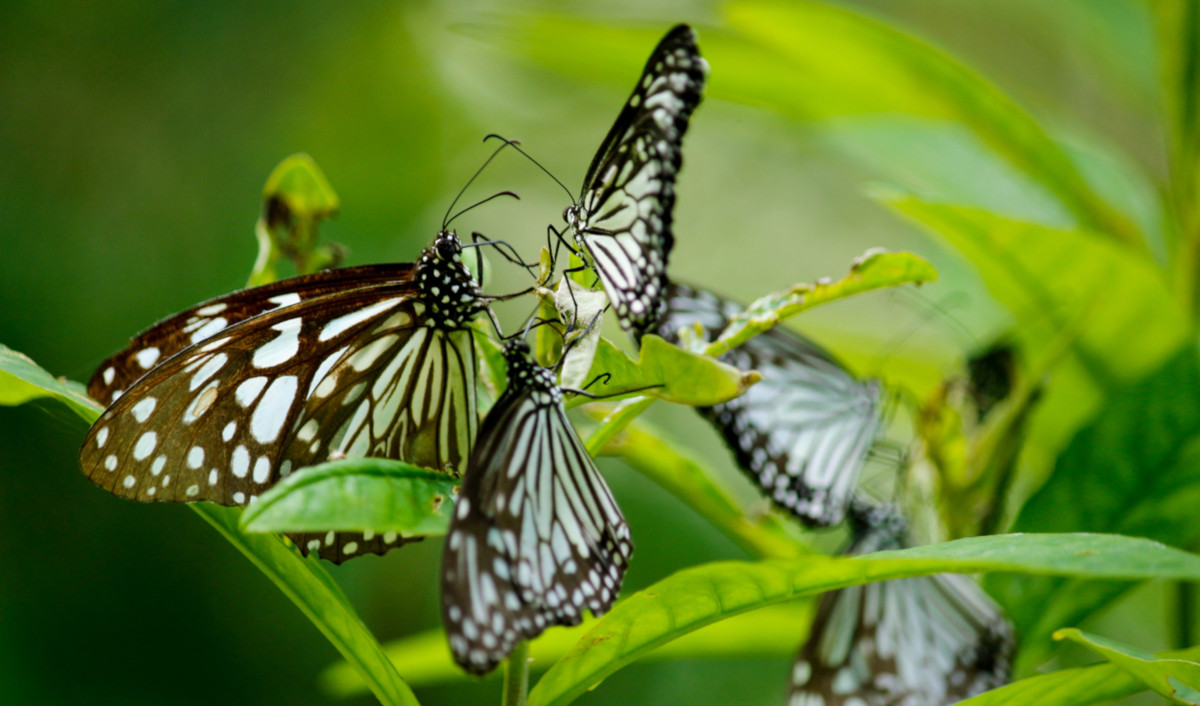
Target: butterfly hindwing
[
  {"x": 537, "y": 536},
  {"x": 803, "y": 433},
  {"x": 206, "y": 319},
  {"x": 623, "y": 217},
  {"x": 926, "y": 641}
]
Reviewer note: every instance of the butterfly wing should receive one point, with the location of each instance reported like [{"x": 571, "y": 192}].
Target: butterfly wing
[
  {"x": 623, "y": 218},
  {"x": 348, "y": 374},
  {"x": 537, "y": 536},
  {"x": 802, "y": 433},
  {"x": 924, "y": 641},
  {"x": 204, "y": 320}
]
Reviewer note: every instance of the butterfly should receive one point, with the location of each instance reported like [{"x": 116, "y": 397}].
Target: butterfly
[
  {"x": 992, "y": 375},
  {"x": 536, "y": 537},
  {"x": 923, "y": 641},
  {"x": 622, "y": 219},
  {"x": 219, "y": 402},
  {"x": 804, "y": 432}
]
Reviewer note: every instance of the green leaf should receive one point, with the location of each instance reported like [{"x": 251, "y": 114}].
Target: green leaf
[
  {"x": 22, "y": 381},
  {"x": 425, "y": 659},
  {"x": 1049, "y": 278},
  {"x": 696, "y": 597},
  {"x": 377, "y": 494},
  {"x": 296, "y": 199},
  {"x": 1176, "y": 679},
  {"x": 779, "y": 57},
  {"x": 303, "y": 581},
  {"x": 317, "y": 596},
  {"x": 1134, "y": 470},
  {"x": 1102, "y": 683},
  {"x": 873, "y": 270},
  {"x": 666, "y": 372}
]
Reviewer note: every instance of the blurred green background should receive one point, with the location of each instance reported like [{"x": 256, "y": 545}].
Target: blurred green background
[{"x": 135, "y": 138}]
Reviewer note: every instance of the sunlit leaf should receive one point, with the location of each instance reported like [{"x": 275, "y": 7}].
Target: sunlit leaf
[
  {"x": 424, "y": 659},
  {"x": 377, "y": 494},
  {"x": 696, "y": 597},
  {"x": 873, "y": 270},
  {"x": 22, "y": 380},
  {"x": 667, "y": 372},
  {"x": 1176, "y": 679},
  {"x": 1100, "y": 684}
]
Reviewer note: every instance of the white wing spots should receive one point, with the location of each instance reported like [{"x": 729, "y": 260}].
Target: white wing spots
[
  {"x": 314, "y": 545},
  {"x": 239, "y": 462},
  {"x": 101, "y": 437},
  {"x": 147, "y": 357},
  {"x": 389, "y": 537},
  {"x": 159, "y": 464},
  {"x": 249, "y": 390},
  {"x": 209, "y": 329},
  {"x": 110, "y": 462},
  {"x": 282, "y": 348},
  {"x": 323, "y": 370},
  {"x": 308, "y": 432},
  {"x": 212, "y": 309},
  {"x": 145, "y": 446},
  {"x": 202, "y": 403},
  {"x": 285, "y": 299},
  {"x": 110, "y": 374},
  {"x": 213, "y": 476},
  {"x": 350, "y": 548},
  {"x": 192, "y": 491},
  {"x": 239, "y": 498},
  {"x": 272, "y": 411},
  {"x": 151, "y": 491},
  {"x": 229, "y": 430},
  {"x": 129, "y": 481},
  {"x": 214, "y": 345},
  {"x": 143, "y": 409},
  {"x": 342, "y": 323},
  {"x": 207, "y": 370},
  {"x": 195, "y": 457},
  {"x": 285, "y": 468},
  {"x": 365, "y": 357},
  {"x": 262, "y": 470}
]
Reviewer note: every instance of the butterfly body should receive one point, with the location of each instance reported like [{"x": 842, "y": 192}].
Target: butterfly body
[
  {"x": 803, "y": 433},
  {"x": 622, "y": 220},
  {"x": 375, "y": 361},
  {"x": 537, "y": 537},
  {"x": 925, "y": 641}
]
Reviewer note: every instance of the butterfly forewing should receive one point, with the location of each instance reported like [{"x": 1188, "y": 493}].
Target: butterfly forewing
[
  {"x": 537, "y": 536},
  {"x": 924, "y": 641},
  {"x": 803, "y": 433},
  {"x": 384, "y": 369},
  {"x": 204, "y": 320},
  {"x": 623, "y": 217}
]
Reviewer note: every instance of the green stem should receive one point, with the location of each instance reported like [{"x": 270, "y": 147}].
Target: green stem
[
  {"x": 516, "y": 675},
  {"x": 616, "y": 422},
  {"x": 1185, "y": 601}
]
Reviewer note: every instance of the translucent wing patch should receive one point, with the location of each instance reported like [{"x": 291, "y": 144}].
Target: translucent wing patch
[
  {"x": 204, "y": 320},
  {"x": 623, "y": 217},
  {"x": 924, "y": 641},
  {"x": 803, "y": 433},
  {"x": 537, "y": 536},
  {"x": 349, "y": 374}
]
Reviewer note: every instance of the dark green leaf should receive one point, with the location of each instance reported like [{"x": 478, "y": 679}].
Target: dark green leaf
[{"x": 22, "y": 380}]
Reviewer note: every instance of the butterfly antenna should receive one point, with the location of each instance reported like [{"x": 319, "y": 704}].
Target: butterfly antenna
[
  {"x": 516, "y": 145},
  {"x": 447, "y": 222},
  {"x": 446, "y": 219},
  {"x": 506, "y": 250}
]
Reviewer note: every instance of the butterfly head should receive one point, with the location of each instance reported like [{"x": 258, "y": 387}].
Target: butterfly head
[
  {"x": 446, "y": 287},
  {"x": 876, "y": 527},
  {"x": 525, "y": 374}
]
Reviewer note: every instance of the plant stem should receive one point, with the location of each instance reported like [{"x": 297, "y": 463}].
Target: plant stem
[
  {"x": 1185, "y": 613},
  {"x": 516, "y": 675}
]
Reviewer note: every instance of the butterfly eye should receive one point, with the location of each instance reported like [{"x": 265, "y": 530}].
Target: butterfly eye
[{"x": 447, "y": 246}]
